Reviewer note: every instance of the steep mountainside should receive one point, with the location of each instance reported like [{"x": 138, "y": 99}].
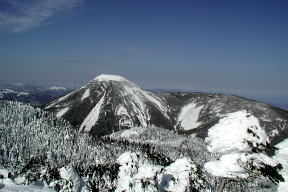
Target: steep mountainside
[{"x": 111, "y": 103}]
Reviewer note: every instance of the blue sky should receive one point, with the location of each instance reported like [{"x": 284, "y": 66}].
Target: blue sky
[{"x": 231, "y": 46}]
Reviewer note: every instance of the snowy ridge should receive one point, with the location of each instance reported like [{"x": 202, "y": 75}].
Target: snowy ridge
[
  {"x": 93, "y": 116},
  {"x": 140, "y": 97},
  {"x": 157, "y": 102}
]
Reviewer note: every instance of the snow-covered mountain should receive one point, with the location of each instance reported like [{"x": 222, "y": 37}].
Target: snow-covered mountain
[
  {"x": 195, "y": 113},
  {"x": 110, "y": 103}
]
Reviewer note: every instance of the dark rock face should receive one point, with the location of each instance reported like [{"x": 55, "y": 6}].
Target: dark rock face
[{"x": 111, "y": 103}]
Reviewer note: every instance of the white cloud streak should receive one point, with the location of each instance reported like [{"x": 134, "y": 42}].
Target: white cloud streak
[{"x": 29, "y": 14}]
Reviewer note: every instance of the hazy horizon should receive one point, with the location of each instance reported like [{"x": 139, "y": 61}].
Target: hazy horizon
[{"x": 237, "y": 47}]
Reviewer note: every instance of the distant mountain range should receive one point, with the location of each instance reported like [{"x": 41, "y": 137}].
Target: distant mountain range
[{"x": 33, "y": 95}]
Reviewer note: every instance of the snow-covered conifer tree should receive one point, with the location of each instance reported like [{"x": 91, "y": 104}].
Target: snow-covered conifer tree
[{"x": 240, "y": 142}]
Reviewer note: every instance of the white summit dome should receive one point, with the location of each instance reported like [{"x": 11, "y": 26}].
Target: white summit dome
[{"x": 105, "y": 77}]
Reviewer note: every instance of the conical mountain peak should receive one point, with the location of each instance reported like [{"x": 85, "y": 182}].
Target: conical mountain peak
[{"x": 107, "y": 77}]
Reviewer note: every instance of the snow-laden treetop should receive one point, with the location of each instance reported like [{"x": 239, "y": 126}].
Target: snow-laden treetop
[
  {"x": 106, "y": 77},
  {"x": 229, "y": 134}
]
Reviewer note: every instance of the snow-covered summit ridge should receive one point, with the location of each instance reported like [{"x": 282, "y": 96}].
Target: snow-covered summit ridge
[{"x": 107, "y": 77}]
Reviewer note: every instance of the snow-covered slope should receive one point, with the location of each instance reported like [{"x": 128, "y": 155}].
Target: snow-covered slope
[{"x": 110, "y": 103}]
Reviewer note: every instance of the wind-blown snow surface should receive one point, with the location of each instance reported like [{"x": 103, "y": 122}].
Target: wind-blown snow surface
[
  {"x": 188, "y": 117},
  {"x": 229, "y": 138},
  {"x": 281, "y": 156},
  {"x": 93, "y": 116}
]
